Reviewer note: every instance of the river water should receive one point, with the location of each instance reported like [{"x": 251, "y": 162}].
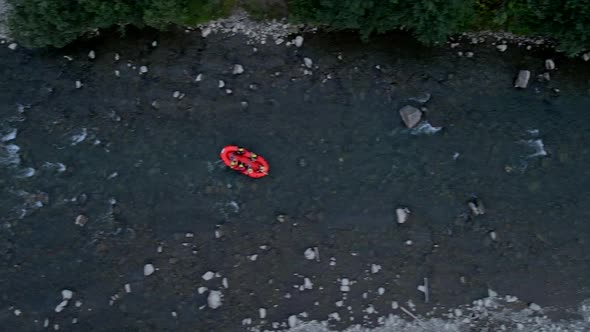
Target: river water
[{"x": 142, "y": 165}]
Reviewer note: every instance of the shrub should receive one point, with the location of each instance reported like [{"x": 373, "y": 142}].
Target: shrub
[
  {"x": 430, "y": 21},
  {"x": 38, "y": 23},
  {"x": 568, "y": 21}
]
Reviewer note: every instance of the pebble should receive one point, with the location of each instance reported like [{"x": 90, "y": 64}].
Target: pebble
[
  {"x": 549, "y": 64},
  {"x": 253, "y": 257},
  {"x": 148, "y": 270},
  {"x": 310, "y": 253},
  {"x": 298, "y": 41},
  {"x": 214, "y": 299},
  {"x": 117, "y": 73},
  {"x": 127, "y": 288},
  {"x": 117, "y": 57},
  {"x": 143, "y": 69},
  {"x": 307, "y": 284},
  {"x": 12, "y": 46},
  {"x": 394, "y": 305},
  {"x": 238, "y": 69},
  {"x": 279, "y": 41},
  {"x": 202, "y": 290},
  {"x": 502, "y": 47},
  {"x": 308, "y": 62},
  {"x": 339, "y": 303},
  {"x": 206, "y": 32},
  {"x": 154, "y": 43},
  {"x": 208, "y": 275},
  {"x": 493, "y": 236},
  {"x": 176, "y": 94},
  {"x": 17, "y": 312},
  {"x": 292, "y": 321},
  {"x": 402, "y": 215},
  {"x": 375, "y": 268},
  {"x": 61, "y": 306},
  {"x": 586, "y": 56},
  {"x": 81, "y": 220},
  {"x": 469, "y": 54},
  {"x": 91, "y": 55},
  {"x": 262, "y": 313},
  {"x": 221, "y": 84},
  {"x": 67, "y": 294},
  {"x": 78, "y": 84},
  {"x": 381, "y": 291}
]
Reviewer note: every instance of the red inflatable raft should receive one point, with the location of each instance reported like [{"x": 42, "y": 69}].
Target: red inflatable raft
[{"x": 244, "y": 161}]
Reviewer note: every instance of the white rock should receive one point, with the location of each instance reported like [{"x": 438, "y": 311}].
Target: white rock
[
  {"x": 91, "y": 55},
  {"x": 225, "y": 283},
  {"x": 238, "y": 69},
  {"x": 117, "y": 57},
  {"x": 339, "y": 303},
  {"x": 586, "y": 56},
  {"x": 61, "y": 306},
  {"x": 67, "y": 294},
  {"x": 199, "y": 78},
  {"x": 279, "y": 41},
  {"x": 247, "y": 321},
  {"x": 375, "y": 268},
  {"x": 214, "y": 299},
  {"x": 394, "y": 305},
  {"x": 117, "y": 73},
  {"x": 221, "y": 84},
  {"x": 292, "y": 321},
  {"x": 469, "y": 54},
  {"x": 81, "y": 220},
  {"x": 458, "y": 312},
  {"x": 262, "y": 313},
  {"x": 402, "y": 215},
  {"x": 409, "y": 242},
  {"x": 522, "y": 80},
  {"x": 78, "y": 84},
  {"x": 493, "y": 236},
  {"x": 345, "y": 282},
  {"x": 208, "y": 275},
  {"x": 308, "y": 62},
  {"x": 12, "y": 46},
  {"x": 535, "y": 307},
  {"x": 206, "y": 32},
  {"x": 298, "y": 41},
  {"x": 334, "y": 316},
  {"x": 148, "y": 270},
  {"x": 549, "y": 64},
  {"x": 492, "y": 293},
  {"x": 381, "y": 291},
  {"x": 154, "y": 43},
  {"x": 253, "y": 257},
  {"x": 17, "y": 312},
  {"x": 502, "y": 47},
  {"x": 307, "y": 284},
  {"x": 310, "y": 253},
  {"x": 202, "y": 290},
  {"x": 143, "y": 69},
  {"x": 127, "y": 288},
  {"x": 176, "y": 94},
  {"x": 344, "y": 288}
]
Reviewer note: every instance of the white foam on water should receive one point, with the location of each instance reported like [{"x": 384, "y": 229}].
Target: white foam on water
[
  {"x": 538, "y": 146},
  {"x": 55, "y": 166},
  {"x": 79, "y": 137},
  {"x": 489, "y": 314},
  {"x": 9, "y": 155},
  {"x": 425, "y": 128},
  {"x": 25, "y": 172},
  {"x": 8, "y": 134}
]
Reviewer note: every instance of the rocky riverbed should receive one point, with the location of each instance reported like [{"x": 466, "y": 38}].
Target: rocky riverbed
[{"x": 117, "y": 213}]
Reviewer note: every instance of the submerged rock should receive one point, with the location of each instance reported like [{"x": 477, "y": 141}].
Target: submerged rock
[
  {"x": 308, "y": 62},
  {"x": 522, "y": 80},
  {"x": 549, "y": 64},
  {"x": 476, "y": 207},
  {"x": 410, "y": 115},
  {"x": 423, "y": 98}
]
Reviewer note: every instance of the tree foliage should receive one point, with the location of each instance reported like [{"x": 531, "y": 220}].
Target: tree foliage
[{"x": 38, "y": 23}]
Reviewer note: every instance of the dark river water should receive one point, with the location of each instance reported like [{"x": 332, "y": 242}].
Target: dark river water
[{"x": 143, "y": 167}]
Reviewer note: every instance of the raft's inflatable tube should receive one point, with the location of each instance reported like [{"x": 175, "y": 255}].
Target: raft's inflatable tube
[{"x": 244, "y": 161}]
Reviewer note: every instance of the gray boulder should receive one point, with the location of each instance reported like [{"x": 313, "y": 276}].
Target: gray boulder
[{"x": 410, "y": 115}]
